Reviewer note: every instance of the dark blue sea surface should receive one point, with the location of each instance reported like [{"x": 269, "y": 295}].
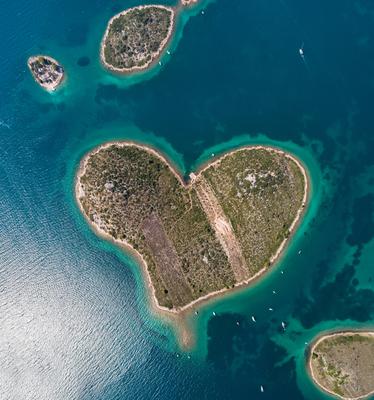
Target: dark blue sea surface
[{"x": 74, "y": 316}]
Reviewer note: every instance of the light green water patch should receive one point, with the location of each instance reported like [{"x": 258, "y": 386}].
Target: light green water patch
[
  {"x": 182, "y": 18},
  {"x": 252, "y": 300},
  {"x": 130, "y": 132}
]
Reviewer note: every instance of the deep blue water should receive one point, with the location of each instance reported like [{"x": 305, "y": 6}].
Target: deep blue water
[{"x": 74, "y": 320}]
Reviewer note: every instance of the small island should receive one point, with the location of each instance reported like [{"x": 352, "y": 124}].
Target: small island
[
  {"x": 136, "y": 37},
  {"x": 343, "y": 364},
  {"x": 47, "y": 72},
  {"x": 196, "y": 239},
  {"x": 189, "y": 2}
]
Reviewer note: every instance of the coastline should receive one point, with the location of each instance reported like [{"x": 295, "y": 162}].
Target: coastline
[
  {"x": 320, "y": 338},
  {"x": 49, "y": 88},
  {"x": 178, "y": 315},
  {"x": 155, "y": 56}
]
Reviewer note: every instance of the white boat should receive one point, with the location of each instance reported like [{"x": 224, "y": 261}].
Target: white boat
[
  {"x": 168, "y": 52},
  {"x": 159, "y": 63},
  {"x": 282, "y": 272},
  {"x": 237, "y": 323},
  {"x": 274, "y": 292},
  {"x": 214, "y": 314},
  {"x": 299, "y": 252},
  {"x": 301, "y": 51},
  {"x": 253, "y": 318},
  {"x": 284, "y": 325},
  {"x": 262, "y": 389},
  {"x": 270, "y": 309}
]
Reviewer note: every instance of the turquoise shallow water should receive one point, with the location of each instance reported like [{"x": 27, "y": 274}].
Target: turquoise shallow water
[{"x": 74, "y": 322}]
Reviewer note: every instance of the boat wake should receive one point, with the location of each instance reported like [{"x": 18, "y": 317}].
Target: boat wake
[{"x": 302, "y": 55}]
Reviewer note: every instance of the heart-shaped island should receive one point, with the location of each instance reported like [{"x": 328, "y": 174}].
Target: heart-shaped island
[{"x": 222, "y": 229}]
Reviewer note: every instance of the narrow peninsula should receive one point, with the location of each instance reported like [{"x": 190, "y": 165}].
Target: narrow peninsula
[
  {"x": 343, "y": 364},
  {"x": 222, "y": 229},
  {"x": 47, "y": 72},
  {"x": 136, "y": 37}
]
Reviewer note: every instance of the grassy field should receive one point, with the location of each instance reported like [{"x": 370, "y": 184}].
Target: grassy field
[
  {"x": 135, "y": 37},
  {"x": 218, "y": 231},
  {"x": 344, "y": 364}
]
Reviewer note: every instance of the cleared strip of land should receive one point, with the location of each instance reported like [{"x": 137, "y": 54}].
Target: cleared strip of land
[
  {"x": 222, "y": 228},
  {"x": 167, "y": 262}
]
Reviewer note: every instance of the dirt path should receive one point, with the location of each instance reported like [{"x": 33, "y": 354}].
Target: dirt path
[{"x": 223, "y": 229}]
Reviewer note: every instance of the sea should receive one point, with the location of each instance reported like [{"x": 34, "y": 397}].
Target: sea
[{"x": 75, "y": 321}]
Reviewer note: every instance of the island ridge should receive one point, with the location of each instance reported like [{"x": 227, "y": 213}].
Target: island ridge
[
  {"x": 47, "y": 72},
  {"x": 343, "y": 364},
  {"x": 222, "y": 229}
]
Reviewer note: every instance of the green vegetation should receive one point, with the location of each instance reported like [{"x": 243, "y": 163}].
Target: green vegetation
[
  {"x": 216, "y": 232},
  {"x": 135, "y": 37},
  {"x": 344, "y": 364},
  {"x": 260, "y": 193}
]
